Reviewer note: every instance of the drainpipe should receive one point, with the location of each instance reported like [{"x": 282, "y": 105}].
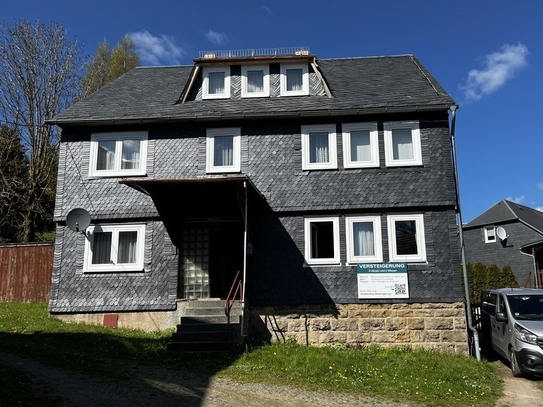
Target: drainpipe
[
  {"x": 474, "y": 332},
  {"x": 244, "y": 263}
]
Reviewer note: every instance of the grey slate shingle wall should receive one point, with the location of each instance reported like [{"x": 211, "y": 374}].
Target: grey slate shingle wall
[
  {"x": 75, "y": 291},
  {"x": 272, "y": 158},
  {"x": 276, "y": 275},
  {"x": 503, "y": 255}
]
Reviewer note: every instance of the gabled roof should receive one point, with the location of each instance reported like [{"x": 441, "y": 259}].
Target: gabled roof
[
  {"x": 358, "y": 86},
  {"x": 507, "y": 211}
]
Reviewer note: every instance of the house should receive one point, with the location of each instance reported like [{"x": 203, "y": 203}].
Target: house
[
  {"x": 508, "y": 234},
  {"x": 328, "y": 184}
]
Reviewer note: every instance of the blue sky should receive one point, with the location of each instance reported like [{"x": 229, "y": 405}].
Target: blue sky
[{"x": 487, "y": 54}]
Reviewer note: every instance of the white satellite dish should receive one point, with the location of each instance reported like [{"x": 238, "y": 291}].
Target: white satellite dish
[
  {"x": 502, "y": 234},
  {"x": 78, "y": 219}
]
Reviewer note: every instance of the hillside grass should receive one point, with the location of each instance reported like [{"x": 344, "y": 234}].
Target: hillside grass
[{"x": 420, "y": 376}]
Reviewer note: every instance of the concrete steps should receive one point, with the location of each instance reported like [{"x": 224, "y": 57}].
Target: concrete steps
[{"x": 205, "y": 328}]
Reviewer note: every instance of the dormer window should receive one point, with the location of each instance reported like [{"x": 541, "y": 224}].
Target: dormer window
[
  {"x": 294, "y": 80},
  {"x": 255, "y": 81},
  {"x": 216, "y": 83}
]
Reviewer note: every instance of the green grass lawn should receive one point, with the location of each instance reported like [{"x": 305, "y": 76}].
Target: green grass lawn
[{"x": 425, "y": 377}]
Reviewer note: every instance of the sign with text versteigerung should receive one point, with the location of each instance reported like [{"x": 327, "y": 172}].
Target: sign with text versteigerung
[{"x": 382, "y": 280}]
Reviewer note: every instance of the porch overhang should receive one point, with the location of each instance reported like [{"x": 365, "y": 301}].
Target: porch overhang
[{"x": 182, "y": 202}]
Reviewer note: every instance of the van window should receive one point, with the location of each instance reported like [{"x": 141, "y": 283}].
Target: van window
[{"x": 526, "y": 306}]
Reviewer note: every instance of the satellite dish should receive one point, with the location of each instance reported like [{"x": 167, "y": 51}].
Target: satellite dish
[
  {"x": 78, "y": 219},
  {"x": 502, "y": 234}
]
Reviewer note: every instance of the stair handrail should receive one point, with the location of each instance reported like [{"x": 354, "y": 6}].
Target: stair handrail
[{"x": 236, "y": 289}]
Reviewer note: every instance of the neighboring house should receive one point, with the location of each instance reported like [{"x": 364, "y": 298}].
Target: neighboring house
[
  {"x": 507, "y": 234},
  {"x": 311, "y": 177}
]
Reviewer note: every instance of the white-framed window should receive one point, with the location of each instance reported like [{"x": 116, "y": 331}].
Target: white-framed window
[
  {"x": 223, "y": 150},
  {"x": 216, "y": 82},
  {"x": 294, "y": 80},
  {"x": 113, "y": 248},
  {"x": 118, "y": 154},
  {"x": 321, "y": 240},
  {"x": 406, "y": 238},
  {"x": 255, "y": 81},
  {"x": 360, "y": 145},
  {"x": 364, "y": 244},
  {"x": 319, "y": 147},
  {"x": 402, "y": 144},
  {"x": 490, "y": 234}
]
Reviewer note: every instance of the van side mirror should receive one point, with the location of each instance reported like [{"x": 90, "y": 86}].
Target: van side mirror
[{"x": 501, "y": 317}]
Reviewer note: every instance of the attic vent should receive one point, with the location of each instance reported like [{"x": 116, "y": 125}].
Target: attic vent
[{"x": 255, "y": 52}]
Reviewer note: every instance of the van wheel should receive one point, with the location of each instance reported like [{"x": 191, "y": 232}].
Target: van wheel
[{"x": 514, "y": 364}]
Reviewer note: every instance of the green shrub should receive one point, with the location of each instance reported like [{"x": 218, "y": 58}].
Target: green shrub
[{"x": 482, "y": 276}]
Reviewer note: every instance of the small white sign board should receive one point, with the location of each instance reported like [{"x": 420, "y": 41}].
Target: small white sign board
[{"x": 382, "y": 281}]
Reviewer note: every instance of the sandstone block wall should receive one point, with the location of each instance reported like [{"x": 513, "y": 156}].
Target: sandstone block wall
[{"x": 440, "y": 326}]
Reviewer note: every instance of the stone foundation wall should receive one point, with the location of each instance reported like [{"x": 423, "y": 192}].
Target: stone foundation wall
[
  {"x": 440, "y": 326},
  {"x": 149, "y": 321}
]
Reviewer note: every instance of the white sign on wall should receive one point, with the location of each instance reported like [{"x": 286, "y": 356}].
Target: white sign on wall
[{"x": 382, "y": 280}]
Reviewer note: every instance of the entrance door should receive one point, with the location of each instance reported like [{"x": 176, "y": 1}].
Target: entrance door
[{"x": 210, "y": 258}]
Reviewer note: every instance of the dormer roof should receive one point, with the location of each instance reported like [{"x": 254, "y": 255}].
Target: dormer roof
[{"x": 357, "y": 86}]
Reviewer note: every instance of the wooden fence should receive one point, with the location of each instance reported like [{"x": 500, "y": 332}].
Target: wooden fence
[{"x": 25, "y": 272}]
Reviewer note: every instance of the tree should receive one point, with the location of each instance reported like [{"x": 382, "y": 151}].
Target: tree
[
  {"x": 39, "y": 76},
  {"x": 108, "y": 64},
  {"x": 13, "y": 174}
]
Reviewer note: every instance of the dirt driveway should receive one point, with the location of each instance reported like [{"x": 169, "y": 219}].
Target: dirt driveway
[
  {"x": 161, "y": 387},
  {"x": 518, "y": 391}
]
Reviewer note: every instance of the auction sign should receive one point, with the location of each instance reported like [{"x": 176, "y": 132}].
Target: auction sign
[{"x": 382, "y": 280}]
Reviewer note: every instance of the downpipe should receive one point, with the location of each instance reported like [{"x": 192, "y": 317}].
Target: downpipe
[{"x": 473, "y": 330}]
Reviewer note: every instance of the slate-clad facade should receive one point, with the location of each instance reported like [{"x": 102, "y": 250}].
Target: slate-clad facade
[{"x": 178, "y": 198}]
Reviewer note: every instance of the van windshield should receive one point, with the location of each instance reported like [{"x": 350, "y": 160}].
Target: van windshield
[{"x": 526, "y": 306}]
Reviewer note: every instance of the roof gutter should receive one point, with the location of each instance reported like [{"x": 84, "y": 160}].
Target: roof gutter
[
  {"x": 474, "y": 332},
  {"x": 251, "y": 115}
]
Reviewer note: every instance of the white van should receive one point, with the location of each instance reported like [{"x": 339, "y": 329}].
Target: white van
[{"x": 512, "y": 323}]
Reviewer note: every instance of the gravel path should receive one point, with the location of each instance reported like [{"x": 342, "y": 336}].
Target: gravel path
[{"x": 162, "y": 387}]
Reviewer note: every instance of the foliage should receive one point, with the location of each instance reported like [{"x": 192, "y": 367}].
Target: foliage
[
  {"x": 39, "y": 75},
  {"x": 424, "y": 377},
  {"x": 108, "y": 64},
  {"x": 482, "y": 276},
  {"x": 13, "y": 179}
]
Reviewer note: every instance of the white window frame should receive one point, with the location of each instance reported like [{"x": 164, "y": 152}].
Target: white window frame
[
  {"x": 421, "y": 242},
  {"x": 118, "y": 137},
  {"x": 265, "y": 81},
  {"x": 415, "y": 139},
  {"x": 307, "y": 236},
  {"x": 490, "y": 234},
  {"x": 377, "y": 257},
  {"x": 205, "y": 82},
  {"x": 305, "y": 80},
  {"x": 332, "y": 147},
  {"x": 114, "y": 229},
  {"x": 347, "y": 128},
  {"x": 235, "y": 132}
]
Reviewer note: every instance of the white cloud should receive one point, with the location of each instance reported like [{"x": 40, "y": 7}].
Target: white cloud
[
  {"x": 216, "y": 37},
  {"x": 156, "y": 50},
  {"x": 539, "y": 208},
  {"x": 518, "y": 199},
  {"x": 268, "y": 10},
  {"x": 540, "y": 186},
  {"x": 498, "y": 68}
]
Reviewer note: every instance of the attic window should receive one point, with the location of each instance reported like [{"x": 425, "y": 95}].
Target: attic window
[
  {"x": 216, "y": 83},
  {"x": 255, "y": 81},
  {"x": 294, "y": 80},
  {"x": 490, "y": 234}
]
